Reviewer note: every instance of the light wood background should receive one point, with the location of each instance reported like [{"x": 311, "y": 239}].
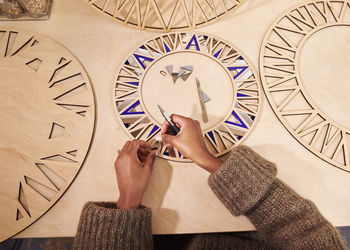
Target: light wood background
[
  {"x": 178, "y": 194},
  {"x": 47, "y": 121}
]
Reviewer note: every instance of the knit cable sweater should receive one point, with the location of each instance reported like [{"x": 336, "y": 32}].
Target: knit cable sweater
[{"x": 247, "y": 185}]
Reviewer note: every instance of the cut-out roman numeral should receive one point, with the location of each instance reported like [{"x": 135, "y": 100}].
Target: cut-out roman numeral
[
  {"x": 158, "y": 15},
  {"x": 34, "y": 64},
  {"x": 284, "y": 86},
  {"x": 41, "y": 189},
  {"x": 57, "y": 130},
  {"x": 19, "y": 215},
  {"x": 78, "y": 109},
  {"x": 22, "y": 200},
  {"x": 59, "y": 158},
  {"x": 52, "y": 176}
]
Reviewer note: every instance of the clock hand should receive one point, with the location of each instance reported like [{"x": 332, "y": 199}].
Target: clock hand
[{"x": 201, "y": 100}]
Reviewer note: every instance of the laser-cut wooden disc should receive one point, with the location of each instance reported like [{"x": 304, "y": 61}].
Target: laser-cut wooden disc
[
  {"x": 169, "y": 15},
  {"x": 163, "y": 71},
  {"x": 283, "y": 82},
  {"x": 47, "y": 120}
]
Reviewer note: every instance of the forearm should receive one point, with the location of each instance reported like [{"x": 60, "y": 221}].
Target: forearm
[
  {"x": 287, "y": 220},
  {"x": 247, "y": 185},
  {"x": 103, "y": 226}
]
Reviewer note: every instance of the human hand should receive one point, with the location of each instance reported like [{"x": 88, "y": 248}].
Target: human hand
[
  {"x": 190, "y": 142},
  {"x": 133, "y": 168}
]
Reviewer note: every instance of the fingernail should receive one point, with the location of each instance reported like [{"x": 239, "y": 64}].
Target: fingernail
[
  {"x": 158, "y": 152},
  {"x": 159, "y": 138}
]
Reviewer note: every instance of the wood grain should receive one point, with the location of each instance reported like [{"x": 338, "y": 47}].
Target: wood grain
[
  {"x": 47, "y": 120},
  {"x": 165, "y": 16},
  {"x": 281, "y": 53},
  {"x": 178, "y": 194}
]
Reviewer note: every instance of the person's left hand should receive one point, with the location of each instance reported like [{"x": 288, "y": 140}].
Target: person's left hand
[{"x": 133, "y": 167}]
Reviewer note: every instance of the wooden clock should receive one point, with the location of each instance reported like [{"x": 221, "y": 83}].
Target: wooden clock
[
  {"x": 289, "y": 64},
  {"x": 191, "y": 74},
  {"x": 169, "y": 15},
  {"x": 47, "y": 121}
]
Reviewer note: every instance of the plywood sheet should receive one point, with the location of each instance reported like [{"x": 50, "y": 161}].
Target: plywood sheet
[
  {"x": 47, "y": 119},
  {"x": 178, "y": 193}
]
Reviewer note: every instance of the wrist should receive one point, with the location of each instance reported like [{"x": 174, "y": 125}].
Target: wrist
[
  {"x": 209, "y": 162},
  {"x": 127, "y": 202}
]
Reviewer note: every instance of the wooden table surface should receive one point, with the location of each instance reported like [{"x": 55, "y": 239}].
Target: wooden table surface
[{"x": 178, "y": 193}]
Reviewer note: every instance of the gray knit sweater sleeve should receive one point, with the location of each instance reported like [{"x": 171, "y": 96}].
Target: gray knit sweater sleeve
[
  {"x": 247, "y": 185},
  {"x": 103, "y": 226}
]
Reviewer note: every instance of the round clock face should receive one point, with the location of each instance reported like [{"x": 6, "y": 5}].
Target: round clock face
[
  {"x": 306, "y": 49},
  {"x": 47, "y": 120},
  {"x": 190, "y": 74},
  {"x": 165, "y": 15}
]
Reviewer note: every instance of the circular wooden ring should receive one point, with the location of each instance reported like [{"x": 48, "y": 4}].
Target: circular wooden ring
[
  {"x": 165, "y": 16},
  {"x": 229, "y": 130},
  {"x": 280, "y": 73}
]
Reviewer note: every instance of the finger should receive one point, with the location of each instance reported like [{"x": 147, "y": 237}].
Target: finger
[
  {"x": 143, "y": 151},
  {"x": 136, "y": 144},
  {"x": 169, "y": 139},
  {"x": 165, "y": 128},
  {"x": 143, "y": 144},
  {"x": 179, "y": 120},
  {"x": 118, "y": 151},
  {"x": 125, "y": 146},
  {"x": 171, "y": 151},
  {"x": 139, "y": 146},
  {"x": 150, "y": 160},
  {"x": 142, "y": 158}
]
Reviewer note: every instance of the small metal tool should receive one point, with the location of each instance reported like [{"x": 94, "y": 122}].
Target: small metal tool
[
  {"x": 174, "y": 129},
  {"x": 155, "y": 145}
]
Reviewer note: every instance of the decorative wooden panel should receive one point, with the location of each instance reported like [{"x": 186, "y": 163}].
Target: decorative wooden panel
[
  {"x": 163, "y": 71},
  {"x": 47, "y": 120},
  {"x": 169, "y": 15},
  {"x": 280, "y": 70}
]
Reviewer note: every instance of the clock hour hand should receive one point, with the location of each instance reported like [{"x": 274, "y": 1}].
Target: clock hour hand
[{"x": 202, "y": 99}]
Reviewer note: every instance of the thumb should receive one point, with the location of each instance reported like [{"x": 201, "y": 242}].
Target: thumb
[
  {"x": 150, "y": 160},
  {"x": 169, "y": 139}
]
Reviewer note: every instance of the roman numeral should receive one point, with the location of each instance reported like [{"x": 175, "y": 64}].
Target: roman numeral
[{"x": 222, "y": 138}]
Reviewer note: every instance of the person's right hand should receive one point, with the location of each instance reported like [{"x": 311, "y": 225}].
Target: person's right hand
[{"x": 190, "y": 142}]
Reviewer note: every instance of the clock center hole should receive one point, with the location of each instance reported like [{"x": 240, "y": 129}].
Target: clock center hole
[
  {"x": 324, "y": 69},
  {"x": 181, "y": 96}
]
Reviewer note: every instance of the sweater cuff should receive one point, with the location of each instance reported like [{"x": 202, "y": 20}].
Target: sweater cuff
[
  {"x": 242, "y": 180},
  {"x": 104, "y": 226}
]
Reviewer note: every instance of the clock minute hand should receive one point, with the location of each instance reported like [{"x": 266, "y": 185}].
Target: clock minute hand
[{"x": 201, "y": 100}]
